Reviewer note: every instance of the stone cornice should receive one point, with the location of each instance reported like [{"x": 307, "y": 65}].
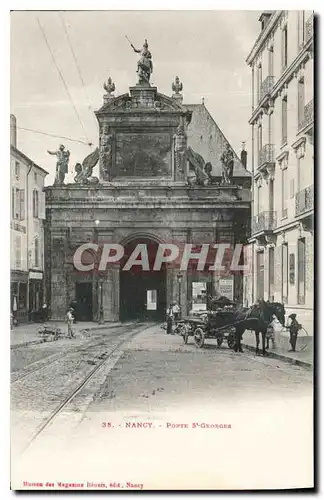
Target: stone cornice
[{"x": 263, "y": 36}]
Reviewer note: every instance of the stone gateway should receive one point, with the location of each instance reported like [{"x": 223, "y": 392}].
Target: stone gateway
[{"x": 145, "y": 195}]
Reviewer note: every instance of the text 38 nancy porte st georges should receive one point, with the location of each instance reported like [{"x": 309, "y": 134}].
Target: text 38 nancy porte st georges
[{"x": 167, "y": 425}]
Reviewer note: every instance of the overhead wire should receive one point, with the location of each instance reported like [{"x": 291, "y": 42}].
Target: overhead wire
[
  {"x": 53, "y": 135},
  {"x": 76, "y": 64},
  {"x": 63, "y": 81}
]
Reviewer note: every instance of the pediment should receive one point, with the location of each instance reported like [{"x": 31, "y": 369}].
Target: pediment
[{"x": 156, "y": 102}]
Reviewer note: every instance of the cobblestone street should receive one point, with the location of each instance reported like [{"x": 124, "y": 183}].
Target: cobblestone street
[{"x": 157, "y": 395}]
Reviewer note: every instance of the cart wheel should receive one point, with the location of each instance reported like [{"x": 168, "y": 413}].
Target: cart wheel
[
  {"x": 219, "y": 341},
  {"x": 199, "y": 337},
  {"x": 231, "y": 341}
]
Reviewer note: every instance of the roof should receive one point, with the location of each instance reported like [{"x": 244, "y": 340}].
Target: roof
[
  {"x": 206, "y": 138},
  {"x": 13, "y": 149}
]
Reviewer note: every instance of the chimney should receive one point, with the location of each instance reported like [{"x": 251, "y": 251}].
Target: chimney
[
  {"x": 13, "y": 131},
  {"x": 244, "y": 156}
]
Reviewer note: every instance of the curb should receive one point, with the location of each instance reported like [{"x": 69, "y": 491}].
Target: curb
[
  {"x": 282, "y": 357},
  {"x": 35, "y": 342}
]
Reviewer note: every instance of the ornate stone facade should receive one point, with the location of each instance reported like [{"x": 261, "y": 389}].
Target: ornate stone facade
[{"x": 142, "y": 196}]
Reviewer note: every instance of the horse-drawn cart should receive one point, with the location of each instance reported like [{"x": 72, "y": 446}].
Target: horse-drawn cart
[{"x": 210, "y": 325}]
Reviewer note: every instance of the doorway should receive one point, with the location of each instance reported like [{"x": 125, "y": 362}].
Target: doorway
[
  {"x": 83, "y": 295},
  {"x": 142, "y": 293}
]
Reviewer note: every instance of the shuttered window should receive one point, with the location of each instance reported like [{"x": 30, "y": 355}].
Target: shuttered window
[
  {"x": 284, "y": 267},
  {"x": 301, "y": 256},
  {"x": 301, "y": 102},
  {"x": 22, "y": 204},
  {"x": 35, "y": 204},
  {"x": 284, "y": 121}
]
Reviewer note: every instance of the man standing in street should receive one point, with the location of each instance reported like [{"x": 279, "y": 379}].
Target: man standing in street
[
  {"x": 293, "y": 327},
  {"x": 169, "y": 319},
  {"x": 69, "y": 320}
]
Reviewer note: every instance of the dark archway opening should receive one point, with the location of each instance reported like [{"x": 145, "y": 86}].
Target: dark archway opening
[{"x": 142, "y": 292}]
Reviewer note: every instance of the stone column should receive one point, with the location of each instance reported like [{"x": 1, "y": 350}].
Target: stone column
[
  {"x": 180, "y": 237},
  {"x": 58, "y": 274},
  {"x": 109, "y": 281}
]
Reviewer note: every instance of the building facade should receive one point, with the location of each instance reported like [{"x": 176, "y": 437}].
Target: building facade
[
  {"x": 282, "y": 120},
  {"x": 154, "y": 152},
  {"x": 27, "y": 232}
]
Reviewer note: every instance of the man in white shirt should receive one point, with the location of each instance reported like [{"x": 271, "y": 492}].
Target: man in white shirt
[{"x": 176, "y": 311}]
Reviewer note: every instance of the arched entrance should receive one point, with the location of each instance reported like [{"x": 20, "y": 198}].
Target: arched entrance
[{"x": 142, "y": 292}]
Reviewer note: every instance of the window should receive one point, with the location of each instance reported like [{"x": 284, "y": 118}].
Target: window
[
  {"x": 259, "y": 143},
  {"x": 35, "y": 203},
  {"x": 298, "y": 174},
  {"x": 301, "y": 29},
  {"x": 284, "y": 47},
  {"x": 284, "y": 192},
  {"x": 36, "y": 252},
  {"x": 270, "y": 122},
  {"x": 292, "y": 268},
  {"x": 18, "y": 252},
  {"x": 271, "y": 71},
  {"x": 12, "y": 203},
  {"x": 301, "y": 271},
  {"x": 17, "y": 170},
  {"x": 271, "y": 269},
  {"x": 258, "y": 199},
  {"x": 284, "y": 121},
  {"x": 22, "y": 204},
  {"x": 260, "y": 275},
  {"x": 259, "y": 81},
  {"x": 151, "y": 300},
  {"x": 284, "y": 270},
  {"x": 270, "y": 195},
  {"x": 35, "y": 177},
  {"x": 301, "y": 102},
  {"x": 17, "y": 204}
]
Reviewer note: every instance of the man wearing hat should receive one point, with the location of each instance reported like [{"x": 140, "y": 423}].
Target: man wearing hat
[
  {"x": 69, "y": 320},
  {"x": 293, "y": 327}
]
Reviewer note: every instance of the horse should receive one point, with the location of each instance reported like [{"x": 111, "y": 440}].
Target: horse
[{"x": 257, "y": 318}]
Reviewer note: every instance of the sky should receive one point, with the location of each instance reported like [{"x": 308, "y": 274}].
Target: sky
[{"x": 206, "y": 49}]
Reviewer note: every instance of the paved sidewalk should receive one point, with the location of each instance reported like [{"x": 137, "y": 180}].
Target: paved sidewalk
[
  {"x": 303, "y": 356},
  {"x": 25, "y": 334}
]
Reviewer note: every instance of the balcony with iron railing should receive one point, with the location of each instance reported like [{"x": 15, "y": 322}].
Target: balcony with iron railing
[
  {"x": 264, "y": 222},
  {"x": 266, "y": 87},
  {"x": 308, "y": 117},
  {"x": 304, "y": 201},
  {"x": 266, "y": 155}
]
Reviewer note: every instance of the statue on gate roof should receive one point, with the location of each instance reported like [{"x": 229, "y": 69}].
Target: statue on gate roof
[
  {"x": 84, "y": 171},
  {"x": 145, "y": 64},
  {"x": 62, "y": 162},
  {"x": 227, "y": 160}
]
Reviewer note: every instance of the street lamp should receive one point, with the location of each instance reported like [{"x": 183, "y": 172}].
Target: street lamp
[{"x": 179, "y": 278}]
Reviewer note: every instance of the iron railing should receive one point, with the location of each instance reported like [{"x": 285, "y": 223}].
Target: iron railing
[
  {"x": 308, "y": 115},
  {"x": 267, "y": 154},
  {"x": 265, "y": 221},
  {"x": 304, "y": 200},
  {"x": 309, "y": 27},
  {"x": 266, "y": 86}
]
